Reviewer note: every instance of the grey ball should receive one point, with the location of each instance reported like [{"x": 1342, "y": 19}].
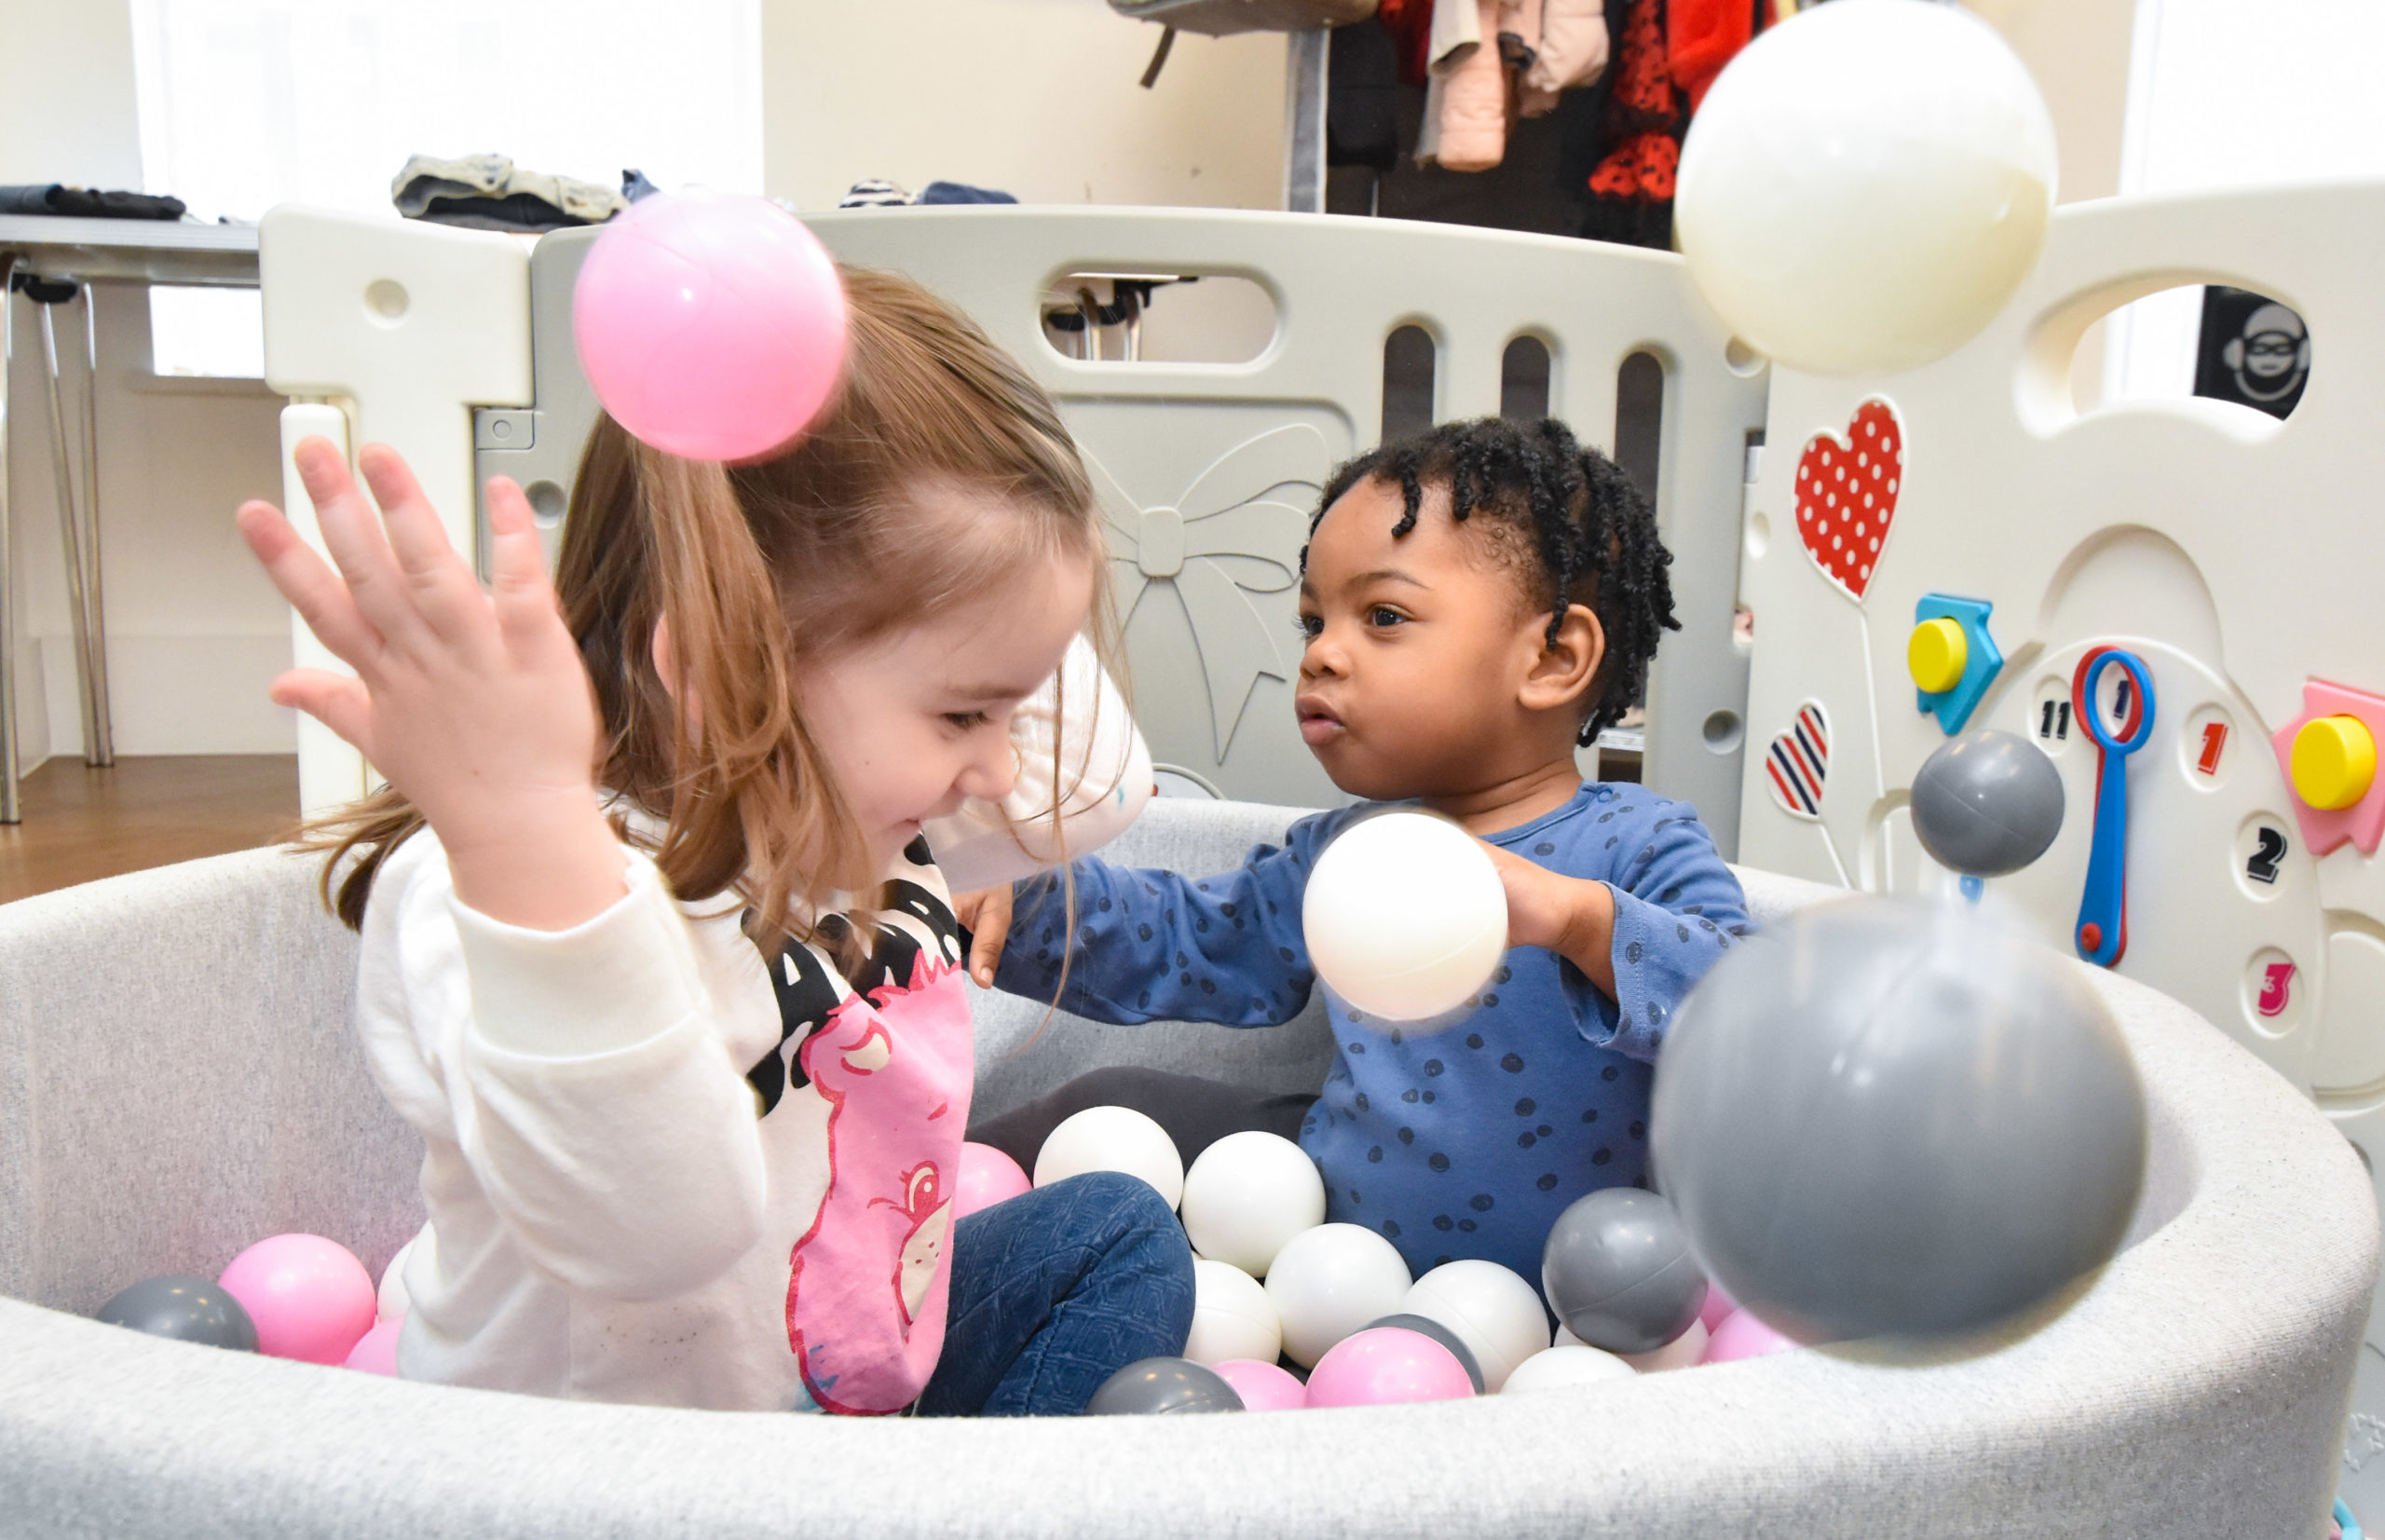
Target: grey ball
[
  {"x": 1881, "y": 1118},
  {"x": 1159, "y": 1386},
  {"x": 1617, "y": 1270},
  {"x": 1425, "y": 1325},
  {"x": 187, "y": 1308},
  {"x": 1987, "y": 803}
]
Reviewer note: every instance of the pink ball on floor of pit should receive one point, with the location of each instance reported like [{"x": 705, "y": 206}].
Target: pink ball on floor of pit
[
  {"x": 1742, "y": 1336},
  {"x": 987, "y": 1177},
  {"x": 1387, "y": 1364},
  {"x": 1262, "y": 1386},
  {"x": 1718, "y": 1305},
  {"x": 711, "y": 325},
  {"x": 377, "y": 1351},
  {"x": 310, "y": 1298}
]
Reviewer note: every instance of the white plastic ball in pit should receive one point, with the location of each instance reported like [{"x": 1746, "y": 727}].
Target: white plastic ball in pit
[
  {"x": 1495, "y": 1312},
  {"x": 1248, "y": 1194},
  {"x": 1111, "y": 1138},
  {"x": 1232, "y": 1318},
  {"x": 1405, "y": 916},
  {"x": 1683, "y": 1352},
  {"x": 1330, "y": 1282},
  {"x": 1557, "y": 1368},
  {"x": 1866, "y": 185}
]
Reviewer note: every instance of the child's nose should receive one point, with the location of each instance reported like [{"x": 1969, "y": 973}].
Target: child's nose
[
  {"x": 1323, "y": 656},
  {"x": 992, "y": 770}
]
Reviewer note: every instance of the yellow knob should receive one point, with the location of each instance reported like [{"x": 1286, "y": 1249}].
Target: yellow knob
[
  {"x": 1936, "y": 654},
  {"x": 2334, "y": 760}
]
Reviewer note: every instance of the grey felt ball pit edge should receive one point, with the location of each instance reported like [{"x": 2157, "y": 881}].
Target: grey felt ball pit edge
[{"x": 178, "y": 1077}]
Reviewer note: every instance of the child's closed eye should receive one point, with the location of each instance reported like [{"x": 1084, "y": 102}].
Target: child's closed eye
[{"x": 967, "y": 721}]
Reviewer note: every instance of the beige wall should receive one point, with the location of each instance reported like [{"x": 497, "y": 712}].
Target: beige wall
[{"x": 2078, "y": 50}]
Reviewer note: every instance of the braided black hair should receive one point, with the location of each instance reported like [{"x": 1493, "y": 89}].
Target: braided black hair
[{"x": 1573, "y": 508}]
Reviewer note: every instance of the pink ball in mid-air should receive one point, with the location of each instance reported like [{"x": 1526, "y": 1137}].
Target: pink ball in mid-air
[
  {"x": 1742, "y": 1336},
  {"x": 711, "y": 325},
  {"x": 1387, "y": 1364},
  {"x": 1717, "y": 1307},
  {"x": 310, "y": 1298},
  {"x": 987, "y": 1177},
  {"x": 1262, "y": 1386},
  {"x": 377, "y": 1351}
]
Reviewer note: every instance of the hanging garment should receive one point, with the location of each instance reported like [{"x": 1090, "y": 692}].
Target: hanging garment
[
  {"x": 1410, "y": 26},
  {"x": 1362, "y": 97},
  {"x": 1631, "y": 191},
  {"x": 1702, "y": 36},
  {"x": 1572, "y": 53},
  {"x": 1472, "y": 118}
]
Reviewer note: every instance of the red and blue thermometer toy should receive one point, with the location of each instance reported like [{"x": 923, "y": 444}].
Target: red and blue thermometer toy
[{"x": 2101, "y": 935}]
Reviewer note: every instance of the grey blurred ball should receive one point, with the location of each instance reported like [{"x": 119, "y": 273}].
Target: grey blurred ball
[
  {"x": 1158, "y": 1387},
  {"x": 1881, "y": 1118},
  {"x": 1987, "y": 803},
  {"x": 187, "y": 1308},
  {"x": 1424, "y": 1326},
  {"x": 1617, "y": 1270}
]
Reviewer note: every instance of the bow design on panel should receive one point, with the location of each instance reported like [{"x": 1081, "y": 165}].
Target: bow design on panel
[{"x": 1228, "y": 536}]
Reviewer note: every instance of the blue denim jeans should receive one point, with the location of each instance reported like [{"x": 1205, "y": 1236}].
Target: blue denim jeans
[{"x": 1053, "y": 1291}]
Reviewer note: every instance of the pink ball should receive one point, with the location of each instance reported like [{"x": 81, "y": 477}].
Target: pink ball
[
  {"x": 310, "y": 1298},
  {"x": 987, "y": 1177},
  {"x": 1742, "y": 1336},
  {"x": 1262, "y": 1386},
  {"x": 377, "y": 1351},
  {"x": 1718, "y": 1304},
  {"x": 712, "y": 325},
  {"x": 1387, "y": 1364}
]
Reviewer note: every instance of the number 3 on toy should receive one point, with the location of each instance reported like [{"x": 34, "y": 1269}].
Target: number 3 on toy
[{"x": 2101, "y": 935}]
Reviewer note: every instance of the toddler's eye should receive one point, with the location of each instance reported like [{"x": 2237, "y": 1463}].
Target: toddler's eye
[
  {"x": 965, "y": 720},
  {"x": 1310, "y": 626},
  {"x": 1385, "y": 615}
]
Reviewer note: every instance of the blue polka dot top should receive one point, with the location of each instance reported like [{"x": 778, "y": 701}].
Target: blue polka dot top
[{"x": 1464, "y": 1141}]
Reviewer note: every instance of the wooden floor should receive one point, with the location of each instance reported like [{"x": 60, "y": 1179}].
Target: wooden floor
[{"x": 82, "y": 823}]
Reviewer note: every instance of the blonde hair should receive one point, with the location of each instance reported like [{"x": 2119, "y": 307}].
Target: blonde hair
[{"x": 759, "y": 569}]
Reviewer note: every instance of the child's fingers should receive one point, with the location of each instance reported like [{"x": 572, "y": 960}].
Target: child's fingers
[
  {"x": 352, "y": 534},
  {"x": 338, "y": 701},
  {"x": 527, "y": 614},
  {"x": 312, "y": 588},
  {"x": 443, "y": 584},
  {"x": 989, "y": 932}
]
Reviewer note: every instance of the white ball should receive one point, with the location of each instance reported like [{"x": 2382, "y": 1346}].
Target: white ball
[
  {"x": 1405, "y": 916},
  {"x": 1683, "y": 1352},
  {"x": 1232, "y": 1318},
  {"x": 1496, "y": 1314},
  {"x": 1866, "y": 185},
  {"x": 1248, "y": 1193},
  {"x": 1555, "y": 1367},
  {"x": 394, "y": 1299},
  {"x": 1111, "y": 1138},
  {"x": 1330, "y": 1282}
]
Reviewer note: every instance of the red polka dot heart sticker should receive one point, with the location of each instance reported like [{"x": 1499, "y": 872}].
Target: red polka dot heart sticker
[{"x": 1846, "y": 495}]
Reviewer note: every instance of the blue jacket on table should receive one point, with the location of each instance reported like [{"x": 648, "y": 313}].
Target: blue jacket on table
[{"x": 1464, "y": 1141}]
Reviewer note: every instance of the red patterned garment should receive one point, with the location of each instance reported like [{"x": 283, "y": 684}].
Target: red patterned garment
[{"x": 1633, "y": 187}]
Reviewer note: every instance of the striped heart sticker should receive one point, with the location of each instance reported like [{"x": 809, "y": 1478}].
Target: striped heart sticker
[
  {"x": 1799, "y": 763},
  {"x": 1846, "y": 495}
]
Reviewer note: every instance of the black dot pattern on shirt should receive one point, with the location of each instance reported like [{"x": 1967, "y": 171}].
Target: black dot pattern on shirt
[
  {"x": 1669, "y": 895},
  {"x": 1408, "y": 1136},
  {"x": 1544, "y": 1130},
  {"x": 1086, "y": 935},
  {"x": 1467, "y": 1226},
  {"x": 1489, "y": 1000},
  {"x": 1285, "y": 953},
  {"x": 1632, "y": 953},
  {"x": 1543, "y": 848},
  {"x": 1408, "y": 1095},
  {"x": 1429, "y": 1097},
  {"x": 1396, "y": 1038},
  {"x": 1353, "y": 1196},
  {"x": 1548, "y": 1182},
  {"x": 1374, "y": 1156},
  {"x": 1681, "y": 930},
  {"x": 1638, "y": 1130},
  {"x": 1434, "y": 1067},
  {"x": 1590, "y": 1116},
  {"x": 1512, "y": 1063},
  {"x": 1526, "y": 1108},
  {"x": 1442, "y": 1221},
  {"x": 1227, "y": 909},
  {"x": 1105, "y": 905},
  {"x": 1474, "y": 1039},
  {"x": 1483, "y": 1203},
  {"x": 1503, "y": 974},
  {"x": 1355, "y": 1047},
  {"x": 1612, "y": 840},
  {"x": 1610, "y": 1072},
  {"x": 1362, "y": 1102},
  {"x": 1142, "y": 999},
  {"x": 1438, "y": 1162},
  {"x": 1526, "y": 1141},
  {"x": 1143, "y": 933},
  {"x": 1603, "y": 1155},
  {"x": 1358, "y": 1016},
  {"x": 1391, "y": 1228}
]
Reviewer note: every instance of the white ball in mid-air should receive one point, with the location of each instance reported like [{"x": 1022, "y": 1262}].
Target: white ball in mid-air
[
  {"x": 1248, "y": 1194},
  {"x": 1405, "y": 916},
  {"x": 1111, "y": 1138},
  {"x": 1570, "y": 1364},
  {"x": 1232, "y": 1318},
  {"x": 1866, "y": 185},
  {"x": 1330, "y": 1282},
  {"x": 1496, "y": 1313}
]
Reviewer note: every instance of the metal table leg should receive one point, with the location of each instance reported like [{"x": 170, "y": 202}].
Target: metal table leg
[
  {"x": 92, "y": 604},
  {"x": 89, "y": 664},
  {"x": 9, "y": 809}
]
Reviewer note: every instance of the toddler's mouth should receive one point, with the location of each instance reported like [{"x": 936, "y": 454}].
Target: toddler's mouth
[{"x": 1318, "y": 723}]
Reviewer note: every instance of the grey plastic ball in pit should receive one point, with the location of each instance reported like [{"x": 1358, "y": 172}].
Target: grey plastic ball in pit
[
  {"x": 187, "y": 1308},
  {"x": 1987, "y": 803},
  {"x": 1885, "y": 1119},
  {"x": 1424, "y": 1326},
  {"x": 1159, "y": 1386},
  {"x": 1617, "y": 1270}
]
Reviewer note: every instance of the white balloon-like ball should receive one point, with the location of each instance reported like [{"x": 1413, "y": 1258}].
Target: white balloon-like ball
[
  {"x": 1248, "y": 1193},
  {"x": 1866, "y": 185},
  {"x": 1232, "y": 1318},
  {"x": 1496, "y": 1313},
  {"x": 1405, "y": 916},
  {"x": 1330, "y": 1282},
  {"x": 1111, "y": 1138},
  {"x": 1573, "y": 1364},
  {"x": 394, "y": 1301}
]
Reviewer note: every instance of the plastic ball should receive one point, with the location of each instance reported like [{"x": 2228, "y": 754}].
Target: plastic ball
[
  {"x": 1617, "y": 1270},
  {"x": 1987, "y": 803},
  {"x": 1385, "y": 1365},
  {"x": 1882, "y": 1119},
  {"x": 310, "y": 1298},
  {"x": 1866, "y": 185},
  {"x": 1231, "y": 1316},
  {"x": 1497, "y": 1314},
  {"x": 1111, "y": 1138},
  {"x": 1263, "y": 1386},
  {"x": 1741, "y": 1335},
  {"x": 1248, "y": 1193},
  {"x": 987, "y": 1177},
  {"x": 1160, "y": 1387},
  {"x": 187, "y": 1309},
  {"x": 377, "y": 1351},
  {"x": 1718, "y": 1304},
  {"x": 1330, "y": 1282},
  {"x": 1439, "y": 1333},
  {"x": 393, "y": 1299},
  {"x": 1557, "y": 1368},
  {"x": 711, "y": 325},
  {"x": 1405, "y": 916},
  {"x": 1684, "y": 1351}
]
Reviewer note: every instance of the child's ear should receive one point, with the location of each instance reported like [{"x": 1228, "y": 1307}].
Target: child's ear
[
  {"x": 660, "y": 652},
  {"x": 1565, "y": 668}
]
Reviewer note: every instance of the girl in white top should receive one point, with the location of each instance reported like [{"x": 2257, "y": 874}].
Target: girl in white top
[{"x": 657, "y": 952}]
